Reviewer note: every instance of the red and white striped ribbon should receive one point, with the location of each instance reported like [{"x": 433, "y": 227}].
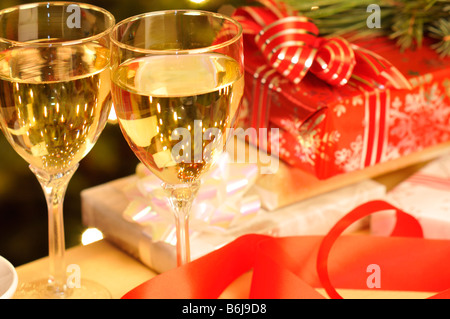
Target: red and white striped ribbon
[
  {"x": 375, "y": 127},
  {"x": 291, "y": 45},
  {"x": 435, "y": 182}
]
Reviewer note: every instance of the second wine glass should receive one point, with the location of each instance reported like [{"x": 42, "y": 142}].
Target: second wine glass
[{"x": 177, "y": 84}]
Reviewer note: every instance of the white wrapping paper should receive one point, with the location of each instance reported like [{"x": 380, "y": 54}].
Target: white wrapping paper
[{"x": 426, "y": 196}]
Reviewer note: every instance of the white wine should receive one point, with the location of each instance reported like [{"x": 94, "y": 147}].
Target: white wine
[
  {"x": 175, "y": 111},
  {"x": 54, "y": 102}
]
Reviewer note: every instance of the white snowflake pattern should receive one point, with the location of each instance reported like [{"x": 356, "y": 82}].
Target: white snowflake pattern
[
  {"x": 349, "y": 159},
  {"x": 423, "y": 121},
  {"x": 291, "y": 125},
  {"x": 277, "y": 144},
  {"x": 313, "y": 146},
  {"x": 339, "y": 109}
]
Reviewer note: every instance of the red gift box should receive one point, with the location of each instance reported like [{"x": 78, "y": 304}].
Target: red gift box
[{"x": 330, "y": 129}]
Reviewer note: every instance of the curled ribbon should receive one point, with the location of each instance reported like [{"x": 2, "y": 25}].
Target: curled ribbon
[
  {"x": 221, "y": 201},
  {"x": 293, "y": 267},
  {"x": 291, "y": 45}
]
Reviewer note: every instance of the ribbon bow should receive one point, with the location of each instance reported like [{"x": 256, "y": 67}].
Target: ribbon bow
[
  {"x": 221, "y": 201},
  {"x": 291, "y": 44}
]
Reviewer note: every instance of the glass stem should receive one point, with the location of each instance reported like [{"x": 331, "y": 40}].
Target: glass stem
[
  {"x": 181, "y": 198},
  {"x": 55, "y": 186}
]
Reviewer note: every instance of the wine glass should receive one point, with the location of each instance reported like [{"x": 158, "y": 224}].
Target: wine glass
[
  {"x": 54, "y": 101},
  {"x": 177, "y": 83}
]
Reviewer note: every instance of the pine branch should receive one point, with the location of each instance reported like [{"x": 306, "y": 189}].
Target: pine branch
[
  {"x": 441, "y": 30},
  {"x": 413, "y": 17},
  {"x": 336, "y": 17},
  {"x": 405, "y": 21}
]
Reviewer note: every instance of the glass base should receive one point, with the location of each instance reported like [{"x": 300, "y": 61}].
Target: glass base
[{"x": 40, "y": 289}]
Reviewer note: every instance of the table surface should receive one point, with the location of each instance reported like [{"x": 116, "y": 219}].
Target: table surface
[{"x": 119, "y": 273}]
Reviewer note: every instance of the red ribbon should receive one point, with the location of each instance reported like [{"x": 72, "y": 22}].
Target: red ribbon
[
  {"x": 291, "y": 45},
  {"x": 292, "y": 267}
]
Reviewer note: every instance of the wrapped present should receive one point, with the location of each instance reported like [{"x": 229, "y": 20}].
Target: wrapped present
[
  {"x": 332, "y": 107},
  {"x": 133, "y": 212},
  {"x": 424, "y": 195}
]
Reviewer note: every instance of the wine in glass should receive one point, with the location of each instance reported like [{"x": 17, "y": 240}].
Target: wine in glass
[
  {"x": 54, "y": 102},
  {"x": 177, "y": 83}
]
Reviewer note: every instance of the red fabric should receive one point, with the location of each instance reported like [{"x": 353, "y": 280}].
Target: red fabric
[{"x": 293, "y": 267}]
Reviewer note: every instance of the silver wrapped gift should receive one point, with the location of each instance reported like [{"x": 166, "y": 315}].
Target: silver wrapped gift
[{"x": 133, "y": 212}]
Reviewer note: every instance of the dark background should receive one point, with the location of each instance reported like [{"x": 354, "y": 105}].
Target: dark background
[{"x": 23, "y": 211}]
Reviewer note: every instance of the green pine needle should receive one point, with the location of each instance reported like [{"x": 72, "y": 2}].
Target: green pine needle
[
  {"x": 406, "y": 21},
  {"x": 440, "y": 30}
]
